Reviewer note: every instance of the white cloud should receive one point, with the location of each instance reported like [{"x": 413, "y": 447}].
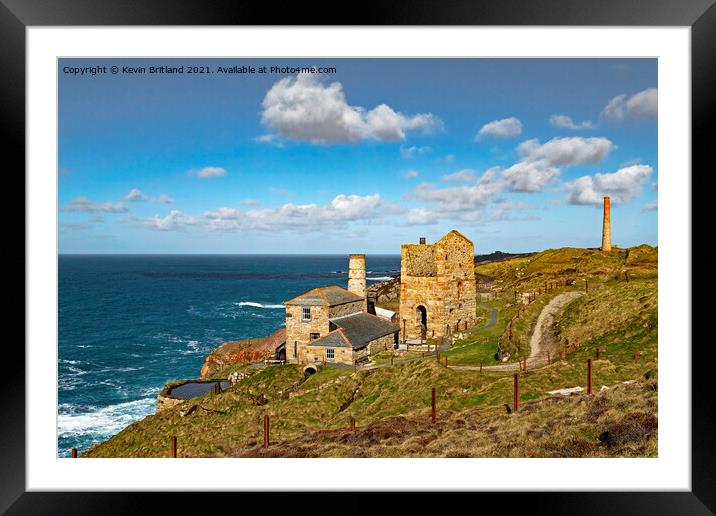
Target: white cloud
[
  {"x": 621, "y": 186},
  {"x": 420, "y": 217},
  {"x": 644, "y": 104},
  {"x": 411, "y": 152},
  {"x": 341, "y": 210},
  {"x": 566, "y": 151},
  {"x": 529, "y": 176},
  {"x": 466, "y": 175},
  {"x": 304, "y": 108},
  {"x": 505, "y": 128},
  {"x": 250, "y": 202},
  {"x": 136, "y": 195},
  {"x": 541, "y": 163},
  {"x": 460, "y": 198},
  {"x": 410, "y": 174},
  {"x": 84, "y": 205},
  {"x": 209, "y": 172},
  {"x": 566, "y": 122},
  {"x": 174, "y": 221},
  {"x": 165, "y": 199}
]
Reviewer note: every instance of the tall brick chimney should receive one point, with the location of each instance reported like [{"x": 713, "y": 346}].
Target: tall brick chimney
[
  {"x": 422, "y": 240},
  {"x": 356, "y": 277},
  {"x": 606, "y": 227}
]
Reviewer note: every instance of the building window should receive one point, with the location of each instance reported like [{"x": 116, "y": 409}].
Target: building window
[
  {"x": 306, "y": 313},
  {"x": 330, "y": 354},
  {"x": 314, "y": 336}
]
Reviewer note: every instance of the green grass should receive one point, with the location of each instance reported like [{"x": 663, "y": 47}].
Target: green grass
[{"x": 616, "y": 316}]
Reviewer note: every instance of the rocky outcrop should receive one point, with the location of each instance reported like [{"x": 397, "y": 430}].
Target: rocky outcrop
[
  {"x": 385, "y": 291},
  {"x": 249, "y": 350}
]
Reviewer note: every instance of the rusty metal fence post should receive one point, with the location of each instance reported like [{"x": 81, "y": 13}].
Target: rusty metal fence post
[
  {"x": 433, "y": 402},
  {"x": 74, "y": 453},
  {"x": 516, "y": 401},
  {"x": 174, "y": 446},
  {"x": 589, "y": 376},
  {"x": 636, "y": 358},
  {"x": 353, "y": 424},
  {"x": 266, "y": 431}
]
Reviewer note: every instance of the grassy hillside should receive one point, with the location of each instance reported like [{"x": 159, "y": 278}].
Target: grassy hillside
[{"x": 391, "y": 405}]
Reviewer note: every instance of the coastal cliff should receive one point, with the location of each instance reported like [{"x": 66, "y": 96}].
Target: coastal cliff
[{"x": 248, "y": 350}]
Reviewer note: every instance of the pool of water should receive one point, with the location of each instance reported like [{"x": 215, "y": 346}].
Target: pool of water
[{"x": 194, "y": 389}]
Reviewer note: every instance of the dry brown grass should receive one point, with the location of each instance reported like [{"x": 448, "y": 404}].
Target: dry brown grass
[{"x": 618, "y": 422}]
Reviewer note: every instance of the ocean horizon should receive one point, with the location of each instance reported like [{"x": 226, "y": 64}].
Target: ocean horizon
[{"x": 128, "y": 323}]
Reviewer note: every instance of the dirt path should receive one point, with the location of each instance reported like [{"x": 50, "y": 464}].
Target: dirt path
[{"x": 543, "y": 338}]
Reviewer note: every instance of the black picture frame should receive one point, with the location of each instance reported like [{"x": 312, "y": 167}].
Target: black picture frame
[{"x": 16, "y": 15}]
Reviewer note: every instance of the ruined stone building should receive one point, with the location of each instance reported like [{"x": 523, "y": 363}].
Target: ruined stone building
[
  {"x": 437, "y": 287},
  {"x": 332, "y": 324}
]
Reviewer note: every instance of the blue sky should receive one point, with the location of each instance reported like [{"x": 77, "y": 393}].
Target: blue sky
[{"x": 515, "y": 153}]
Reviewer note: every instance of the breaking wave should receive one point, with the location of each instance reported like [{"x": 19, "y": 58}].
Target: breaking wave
[
  {"x": 259, "y": 305},
  {"x": 101, "y": 422}
]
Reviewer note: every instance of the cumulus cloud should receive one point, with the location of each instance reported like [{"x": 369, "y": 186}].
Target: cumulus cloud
[
  {"x": 644, "y": 104},
  {"x": 621, "y": 186},
  {"x": 540, "y": 163},
  {"x": 341, "y": 210},
  {"x": 420, "y": 217},
  {"x": 174, "y": 221},
  {"x": 566, "y": 122},
  {"x": 303, "y": 108},
  {"x": 410, "y": 174},
  {"x": 529, "y": 176},
  {"x": 411, "y": 152},
  {"x": 460, "y": 198},
  {"x": 165, "y": 199},
  {"x": 566, "y": 151},
  {"x": 84, "y": 205},
  {"x": 466, "y": 175},
  {"x": 505, "y": 128},
  {"x": 209, "y": 172},
  {"x": 136, "y": 195}
]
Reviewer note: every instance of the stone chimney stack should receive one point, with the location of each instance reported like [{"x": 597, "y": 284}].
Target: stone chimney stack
[
  {"x": 422, "y": 240},
  {"x": 606, "y": 227},
  {"x": 356, "y": 277}
]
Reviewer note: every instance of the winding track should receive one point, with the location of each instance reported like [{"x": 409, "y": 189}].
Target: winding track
[{"x": 541, "y": 340}]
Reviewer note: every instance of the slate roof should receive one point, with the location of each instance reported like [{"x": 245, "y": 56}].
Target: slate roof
[
  {"x": 334, "y": 339},
  {"x": 324, "y": 296},
  {"x": 362, "y": 328}
]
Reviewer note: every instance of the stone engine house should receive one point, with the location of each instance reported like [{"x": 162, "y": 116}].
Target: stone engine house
[
  {"x": 437, "y": 287},
  {"x": 332, "y": 324}
]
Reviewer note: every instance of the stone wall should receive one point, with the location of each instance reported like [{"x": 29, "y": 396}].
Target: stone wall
[
  {"x": 381, "y": 344},
  {"x": 448, "y": 295},
  {"x": 346, "y": 309},
  {"x": 298, "y": 331},
  {"x": 343, "y": 355},
  {"x": 417, "y": 260}
]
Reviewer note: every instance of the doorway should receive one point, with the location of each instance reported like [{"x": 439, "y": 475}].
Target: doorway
[{"x": 422, "y": 319}]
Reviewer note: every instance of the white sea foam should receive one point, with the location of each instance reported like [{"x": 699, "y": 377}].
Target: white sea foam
[
  {"x": 101, "y": 422},
  {"x": 381, "y": 278},
  {"x": 259, "y": 305}
]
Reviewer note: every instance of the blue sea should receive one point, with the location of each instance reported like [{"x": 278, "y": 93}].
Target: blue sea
[{"x": 130, "y": 323}]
